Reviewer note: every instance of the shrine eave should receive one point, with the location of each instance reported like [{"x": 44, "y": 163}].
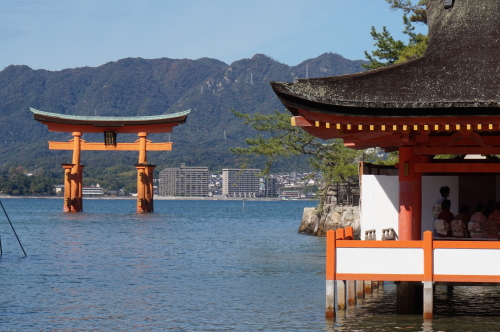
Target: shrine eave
[
  {"x": 294, "y": 99},
  {"x": 98, "y": 124}
]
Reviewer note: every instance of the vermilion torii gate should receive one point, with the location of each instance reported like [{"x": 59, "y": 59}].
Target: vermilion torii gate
[{"x": 110, "y": 126}]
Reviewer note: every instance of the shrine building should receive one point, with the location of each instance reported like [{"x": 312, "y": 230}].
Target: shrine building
[{"x": 446, "y": 102}]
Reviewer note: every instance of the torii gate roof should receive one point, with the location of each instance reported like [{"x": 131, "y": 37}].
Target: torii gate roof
[
  {"x": 98, "y": 124},
  {"x": 454, "y": 88}
]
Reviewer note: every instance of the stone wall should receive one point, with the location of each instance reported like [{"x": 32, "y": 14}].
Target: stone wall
[{"x": 332, "y": 217}]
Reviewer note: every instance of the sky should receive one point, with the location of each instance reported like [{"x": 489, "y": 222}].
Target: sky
[{"x": 60, "y": 34}]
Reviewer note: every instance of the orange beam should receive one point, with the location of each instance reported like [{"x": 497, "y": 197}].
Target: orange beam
[
  {"x": 119, "y": 146},
  {"x": 130, "y": 129},
  {"x": 470, "y": 122},
  {"x": 457, "y": 168},
  {"x": 457, "y": 150}
]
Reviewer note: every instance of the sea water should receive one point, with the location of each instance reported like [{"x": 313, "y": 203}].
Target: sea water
[{"x": 191, "y": 266}]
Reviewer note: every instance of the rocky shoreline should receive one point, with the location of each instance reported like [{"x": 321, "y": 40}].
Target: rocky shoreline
[{"x": 332, "y": 217}]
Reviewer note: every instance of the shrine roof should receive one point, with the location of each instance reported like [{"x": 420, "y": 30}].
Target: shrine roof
[
  {"x": 457, "y": 75},
  {"x": 133, "y": 124}
]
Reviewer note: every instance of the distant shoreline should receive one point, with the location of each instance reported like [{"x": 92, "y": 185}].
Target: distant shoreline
[{"x": 165, "y": 198}]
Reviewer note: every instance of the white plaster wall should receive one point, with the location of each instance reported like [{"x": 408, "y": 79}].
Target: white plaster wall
[
  {"x": 379, "y": 203},
  {"x": 467, "y": 261},
  {"x": 430, "y": 194},
  {"x": 380, "y": 260}
]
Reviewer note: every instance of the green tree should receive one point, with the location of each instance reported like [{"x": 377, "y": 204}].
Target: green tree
[
  {"x": 277, "y": 138},
  {"x": 389, "y": 50},
  {"x": 417, "y": 12}
]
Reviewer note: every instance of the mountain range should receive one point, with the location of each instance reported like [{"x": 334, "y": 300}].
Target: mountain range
[{"x": 135, "y": 87}]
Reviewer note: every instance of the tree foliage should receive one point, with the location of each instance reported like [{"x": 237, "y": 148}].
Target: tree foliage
[
  {"x": 277, "y": 138},
  {"x": 389, "y": 50},
  {"x": 16, "y": 182},
  {"x": 417, "y": 11}
]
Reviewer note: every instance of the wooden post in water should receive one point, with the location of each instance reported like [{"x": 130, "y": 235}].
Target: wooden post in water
[
  {"x": 350, "y": 284},
  {"x": 341, "y": 298},
  {"x": 368, "y": 286},
  {"x": 75, "y": 177},
  {"x": 359, "y": 289},
  {"x": 330, "y": 274},
  {"x": 341, "y": 286},
  {"x": 428, "y": 276},
  {"x": 67, "y": 187},
  {"x": 351, "y": 292}
]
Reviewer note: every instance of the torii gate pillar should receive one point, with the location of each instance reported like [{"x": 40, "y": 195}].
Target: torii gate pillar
[
  {"x": 73, "y": 201},
  {"x": 144, "y": 178}
]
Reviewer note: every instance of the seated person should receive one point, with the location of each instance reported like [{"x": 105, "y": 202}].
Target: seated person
[
  {"x": 496, "y": 213},
  {"x": 460, "y": 222},
  {"x": 445, "y": 213},
  {"x": 488, "y": 209},
  {"x": 477, "y": 221},
  {"x": 445, "y": 217},
  {"x": 463, "y": 214},
  {"x": 492, "y": 225}
]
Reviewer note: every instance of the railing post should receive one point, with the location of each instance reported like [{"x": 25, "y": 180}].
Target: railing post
[
  {"x": 330, "y": 273},
  {"x": 349, "y": 233},
  {"x": 350, "y": 284},
  {"x": 341, "y": 291},
  {"x": 428, "y": 275}
]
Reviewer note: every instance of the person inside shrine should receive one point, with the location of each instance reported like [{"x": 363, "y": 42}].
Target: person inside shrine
[
  {"x": 444, "y": 219},
  {"x": 436, "y": 208},
  {"x": 460, "y": 222},
  {"x": 445, "y": 213},
  {"x": 492, "y": 226},
  {"x": 477, "y": 221},
  {"x": 463, "y": 214},
  {"x": 490, "y": 207}
]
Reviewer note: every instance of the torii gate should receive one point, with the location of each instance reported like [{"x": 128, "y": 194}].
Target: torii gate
[{"x": 110, "y": 126}]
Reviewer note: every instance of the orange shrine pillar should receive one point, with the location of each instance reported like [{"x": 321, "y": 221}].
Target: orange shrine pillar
[
  {"x": 80, "y": 192},
  {"x": 417, "y": 208},
  {"x": 151, "y": 169},
  {"x": 75, "y": 177},
  {"x": 144, "y": 178},
  {"x": 410, "y": 193},
  {"x": 67, "y": 187},
  {"x": 407, "y": 195}
]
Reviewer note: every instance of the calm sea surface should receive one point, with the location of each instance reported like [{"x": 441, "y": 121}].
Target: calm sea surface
[{"x": 191, "y": 266}]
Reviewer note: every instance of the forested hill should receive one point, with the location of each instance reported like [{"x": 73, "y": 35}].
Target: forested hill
[{"x": 136, "y": 86}]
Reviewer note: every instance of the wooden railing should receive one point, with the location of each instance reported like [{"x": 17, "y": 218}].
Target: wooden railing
[{"x": 426, "y": 261}]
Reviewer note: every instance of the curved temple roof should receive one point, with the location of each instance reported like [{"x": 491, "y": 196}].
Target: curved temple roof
[
  {"x": 458, "y": 74},
  {"x": 97, "y": 124}
]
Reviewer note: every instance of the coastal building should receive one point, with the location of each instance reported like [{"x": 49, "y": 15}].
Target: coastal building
[
  {"x": 271, "y": 188},
  {"x": 185, "y": 181},
  {"x": 92, "y": 191},
  {"x": 240, "y": 182},
  {"x": 291, "y": 194}
]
